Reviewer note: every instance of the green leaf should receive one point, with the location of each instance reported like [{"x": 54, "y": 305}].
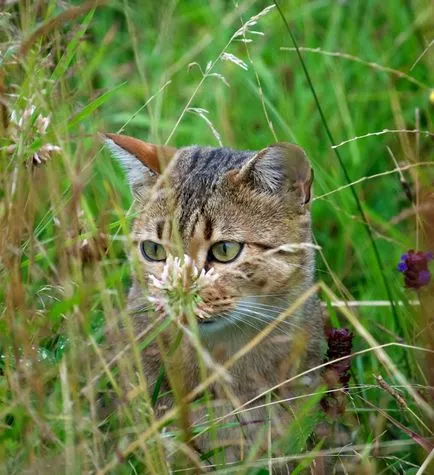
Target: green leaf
[
  {"x": 71, "y": 49},
  {"x": 92, "y": 106}
]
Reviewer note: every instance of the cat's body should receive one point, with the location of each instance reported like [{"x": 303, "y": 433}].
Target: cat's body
[{"x": 255, "y": 204}]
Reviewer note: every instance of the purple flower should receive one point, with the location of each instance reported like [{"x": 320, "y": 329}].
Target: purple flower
[
  {"x": 340, "y": 343},
  {"x": 337, "y": 374},
  {"x": 414, "y": 266}
]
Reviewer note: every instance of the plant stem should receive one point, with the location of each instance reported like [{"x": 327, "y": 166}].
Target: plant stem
[{"x": 344, "y": 169}]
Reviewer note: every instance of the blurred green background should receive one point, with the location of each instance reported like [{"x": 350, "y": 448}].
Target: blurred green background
[{"x": 177, "y": 72}]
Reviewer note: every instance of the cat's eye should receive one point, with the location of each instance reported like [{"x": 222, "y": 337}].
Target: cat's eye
[
  {"x": 153, "y": 251},
  {"x": 225, "y": 251}
]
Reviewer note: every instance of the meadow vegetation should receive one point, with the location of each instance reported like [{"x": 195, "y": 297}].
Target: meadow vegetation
[{"x": 210, "y": 73}]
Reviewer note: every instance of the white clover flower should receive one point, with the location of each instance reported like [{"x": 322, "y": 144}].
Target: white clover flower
[{"x": 178, "y": 289}]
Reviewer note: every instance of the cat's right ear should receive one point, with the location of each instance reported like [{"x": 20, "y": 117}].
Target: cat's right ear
[{"x": 140, "y": 160}]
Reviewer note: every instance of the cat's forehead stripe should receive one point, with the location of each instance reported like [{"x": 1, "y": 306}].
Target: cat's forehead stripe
[
  {"x": 199, "y": 170},
  {"x": 160, "y": 228},
  {"x": 193, "y": 160},
  {"x": 207, "y": 234}
]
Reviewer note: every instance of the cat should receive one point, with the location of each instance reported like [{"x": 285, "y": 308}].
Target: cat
[{"x": 245, "y": 216}]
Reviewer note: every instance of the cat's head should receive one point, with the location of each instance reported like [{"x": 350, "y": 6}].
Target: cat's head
[{"x": 245, "y": 214}]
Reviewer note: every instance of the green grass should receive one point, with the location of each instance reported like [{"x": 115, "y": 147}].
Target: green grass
[{"x": 128, "y": 66}]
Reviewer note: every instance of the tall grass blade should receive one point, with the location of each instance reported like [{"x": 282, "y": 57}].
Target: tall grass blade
[{"x": 344, "y": 169}]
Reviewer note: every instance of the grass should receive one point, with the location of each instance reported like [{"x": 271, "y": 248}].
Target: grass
[{"x": 169, "y": 73}]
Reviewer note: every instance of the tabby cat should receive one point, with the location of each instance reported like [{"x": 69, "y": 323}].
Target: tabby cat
[{"x": 246, "y": 215}]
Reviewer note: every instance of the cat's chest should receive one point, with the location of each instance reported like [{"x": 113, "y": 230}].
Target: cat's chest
[{"x": 249, "y": 361}]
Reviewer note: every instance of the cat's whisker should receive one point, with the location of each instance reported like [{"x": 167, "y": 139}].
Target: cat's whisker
[
  {"x": 266, "y": 320},
  {"x": 259, "y": 316},
  {"x": 267, "y": 310},
  {"x": 264, "y": 317},
  {"x": 281, "y": 295},
  {"x": 278, "y": 297},
  {"x": 254, "y": 302},
  {"x": 262, "y": 306},
  {"x": 239, "y": 317},
  {"x": 227, "y": 316},
  {"x": 264, "y": 312}
]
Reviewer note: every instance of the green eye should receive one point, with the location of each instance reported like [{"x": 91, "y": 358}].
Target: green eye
[
  {"x": 152, "y": 251},
  {"x": 225, "y": 251}
]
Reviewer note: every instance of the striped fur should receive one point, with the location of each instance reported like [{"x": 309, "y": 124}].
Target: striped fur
[{"x": 259, "y": 199}]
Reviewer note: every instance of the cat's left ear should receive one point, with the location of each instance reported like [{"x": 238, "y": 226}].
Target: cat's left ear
[
  {"x": 279, "y": 168},
  {"x": 139, "y": 159}
]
